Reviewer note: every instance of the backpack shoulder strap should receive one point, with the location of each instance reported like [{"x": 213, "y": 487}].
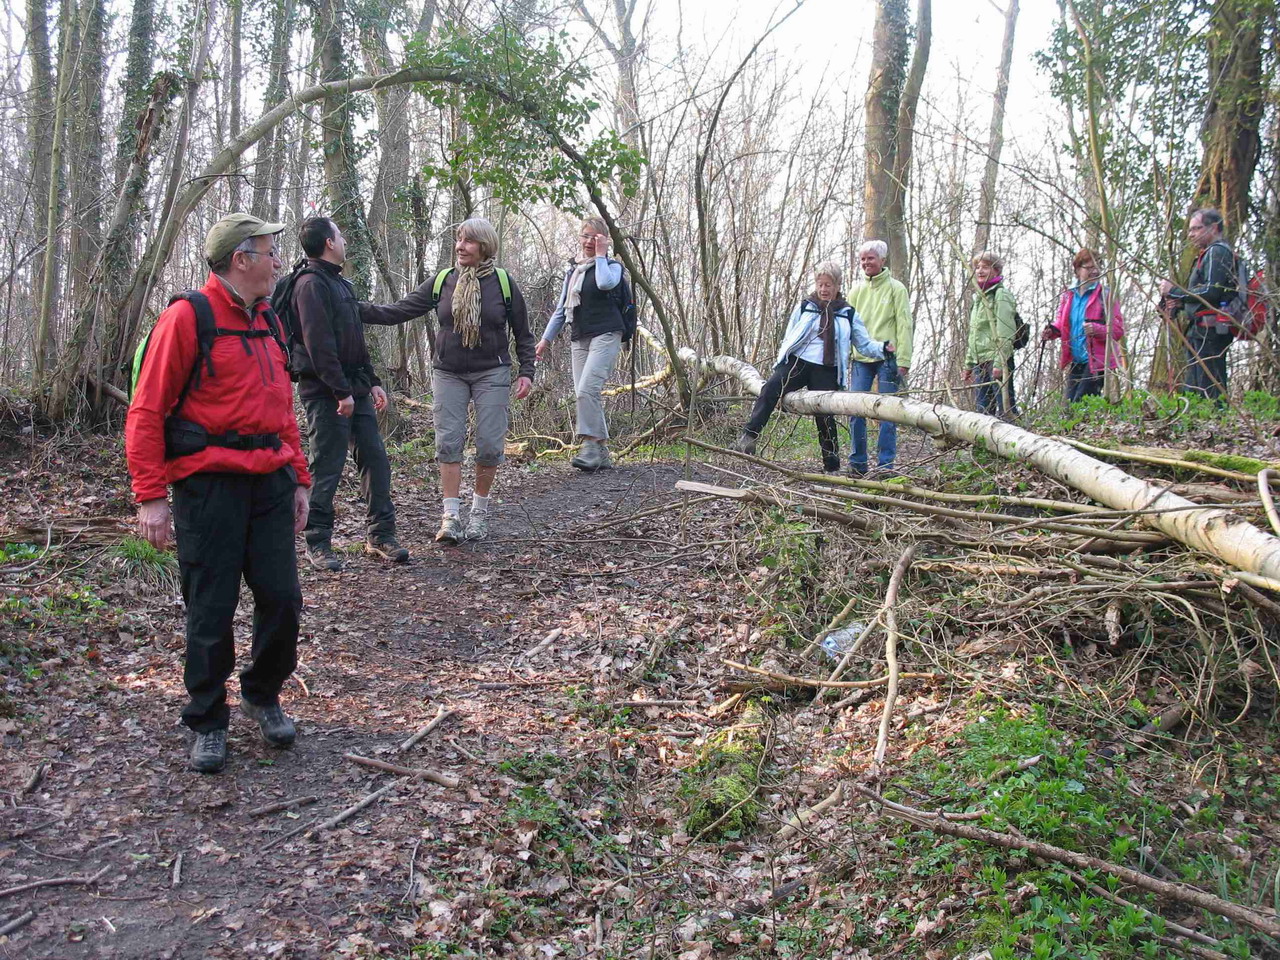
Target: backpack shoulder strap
[
  {"x": 504, "y": 282},
  {"x": 206, "y": 331},
  {"x": 438, "y": 285}
]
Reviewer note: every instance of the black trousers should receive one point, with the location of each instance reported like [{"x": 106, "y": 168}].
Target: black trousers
[
  {"x": 1082, "y": 383},
  {"x": 1206, "y": 372},
  {"x": 231, "y": 525},
  {"x": 330, "y": 437},
  {"x": 794, "y": 374}
]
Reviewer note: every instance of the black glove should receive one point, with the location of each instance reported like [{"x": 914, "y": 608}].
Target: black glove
[{"x": 890, "y": 370}]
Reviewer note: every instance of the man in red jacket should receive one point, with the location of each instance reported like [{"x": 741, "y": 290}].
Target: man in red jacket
[{"x": 213, "y": 417}]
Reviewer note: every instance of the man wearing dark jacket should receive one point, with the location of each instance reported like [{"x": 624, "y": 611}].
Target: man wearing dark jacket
[
  {"x": 341, "y": 394},
  {"x": 1199, "y": 308}
]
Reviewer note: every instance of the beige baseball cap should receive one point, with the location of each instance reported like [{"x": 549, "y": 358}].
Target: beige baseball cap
[{"x": 233, "y": 229}]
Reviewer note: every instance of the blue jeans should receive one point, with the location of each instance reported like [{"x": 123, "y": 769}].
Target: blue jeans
[{"x": 863, "y": 376}]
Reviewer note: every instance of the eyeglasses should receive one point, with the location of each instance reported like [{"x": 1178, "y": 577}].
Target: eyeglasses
[{"x": 272, "y": 253}]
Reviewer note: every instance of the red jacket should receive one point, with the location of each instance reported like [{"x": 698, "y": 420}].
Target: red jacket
[
  {"x": 248, "y": 393},
  {"x": 1094, "y": 329}
]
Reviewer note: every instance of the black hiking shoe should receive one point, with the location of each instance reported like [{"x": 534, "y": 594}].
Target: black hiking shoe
[
  {"x": 387, "y": 549},
  {"x": 322, "y": 557},
  {"x": 745, "y": 443},
  {"x": 276, "y": 727},
  {"x": 209, "y": 752}
]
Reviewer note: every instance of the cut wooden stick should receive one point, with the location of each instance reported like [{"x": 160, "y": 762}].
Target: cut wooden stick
[
  {"x": 1260, "y": 920},
  {"x": 792, "y": 826},
  {"x": 433, "y": 775},
  {"x": 281, "y": 805},
  {"x": 441, "y": 716},
  {"x": 17, "y": 923},
  {"x": 838, "y": 684},
  {"x": 56, "y": 882},
  {"x": 546, "y": 641},
  {"x": 355, "y": 808},
  {"x": 891, "y": 648},
  {"x": 176, "y": 880}
]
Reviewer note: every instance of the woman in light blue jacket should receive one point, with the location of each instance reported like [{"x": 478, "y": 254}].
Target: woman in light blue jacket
[{"x": 814, "y": 355}]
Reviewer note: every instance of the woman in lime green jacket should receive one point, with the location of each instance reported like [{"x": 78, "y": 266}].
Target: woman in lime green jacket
[{"x": 993, "y": 324}]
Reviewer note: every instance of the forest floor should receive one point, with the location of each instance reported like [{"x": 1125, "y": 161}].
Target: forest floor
[{"x": 579, "y": 826}]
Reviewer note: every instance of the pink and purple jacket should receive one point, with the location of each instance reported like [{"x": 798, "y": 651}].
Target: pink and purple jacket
[{"x": 1095, "y": 331}]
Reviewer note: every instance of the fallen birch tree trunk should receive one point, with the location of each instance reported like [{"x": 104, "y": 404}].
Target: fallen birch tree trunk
[{"x": 1207, "y": 529}]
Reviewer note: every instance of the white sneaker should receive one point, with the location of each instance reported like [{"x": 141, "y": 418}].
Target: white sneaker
[{"x": 450, "y": 531}]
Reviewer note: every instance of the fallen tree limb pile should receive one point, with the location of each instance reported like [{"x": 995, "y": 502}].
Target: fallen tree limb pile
[{"x": 1210, "y": 530}]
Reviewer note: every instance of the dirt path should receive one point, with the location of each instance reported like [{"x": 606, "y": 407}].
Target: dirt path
[{"x": 384, "y": 649}]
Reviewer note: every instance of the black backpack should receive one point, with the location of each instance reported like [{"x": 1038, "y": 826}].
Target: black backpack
[
  {"x": 282, "y": 304},
  {"x": 1021, "y": 331},
  {"x": 207, "y": 330}
]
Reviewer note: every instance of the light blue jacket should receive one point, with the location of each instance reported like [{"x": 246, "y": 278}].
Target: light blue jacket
[
  {"x": 608, "y": 276},
  {"x": 803, "y": 326}
]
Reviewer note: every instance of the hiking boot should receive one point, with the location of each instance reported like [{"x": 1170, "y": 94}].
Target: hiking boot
[
  {"x": 588, "y": 457},
  {"x": 450, "y": 531},
  {"x": 322, "y": 557},
  {"x": 387, "y": 549},
  {"x": 209, "y": 752},
  {"x": 856, "y": 471},
  {"x": 276, "y": 727},
  {"x": 477, "y": 525},
  {"x": 605, "y": 462},
  {"x": 745, "y": 443}
]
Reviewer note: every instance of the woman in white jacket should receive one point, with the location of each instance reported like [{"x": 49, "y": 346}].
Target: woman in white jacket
[{"x": 814, "y": 355}]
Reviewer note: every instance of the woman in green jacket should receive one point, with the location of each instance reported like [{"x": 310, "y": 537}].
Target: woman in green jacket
[{"x": 988, "y": 357}]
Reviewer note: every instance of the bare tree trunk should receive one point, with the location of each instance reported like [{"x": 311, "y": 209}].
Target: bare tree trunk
[
  {"x": 884, "y": 96},
  {"x": 137, "y": 83},
  {"x": 172, "y": 215},
  {"x": 387, "y": 216},
  {"x": 269, "y": 172},
  {"x": 1233, "y": 114},
  {"x": 85, "y": 170},
  {"x": 108, "y": 279},
  {"x": 234, "y": 40},
  {"x": 995, "y": 140},
  {"x": 900, "y": 181},
  {"x": 43, "y": 346},
  {"x": 40, "y": 125},
  {"x": 337, "y": 142}
]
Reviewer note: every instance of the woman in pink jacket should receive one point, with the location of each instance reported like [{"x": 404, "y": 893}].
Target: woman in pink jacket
[{"x": 1083, "y": 329}]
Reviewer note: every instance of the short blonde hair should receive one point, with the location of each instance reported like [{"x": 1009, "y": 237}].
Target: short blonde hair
[
  {"x": 986, "y": 256},
  {"x": 481, "y": 231},
  {"x": 597, "y": 224},
  {"x": 829, "y": 268}
]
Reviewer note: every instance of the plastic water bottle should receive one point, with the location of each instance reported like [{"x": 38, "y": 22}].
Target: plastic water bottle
[{"x": 839, "y": 642}]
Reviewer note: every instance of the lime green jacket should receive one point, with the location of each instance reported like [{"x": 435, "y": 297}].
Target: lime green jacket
[
  {"x": 882, "y": 304},
  {"x": 991, "y": 326}
]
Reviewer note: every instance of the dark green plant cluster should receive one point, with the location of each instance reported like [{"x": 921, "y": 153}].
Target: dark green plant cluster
[
  {"x": 1175, "y": 414},
  {"x": 525, "y": 115}
]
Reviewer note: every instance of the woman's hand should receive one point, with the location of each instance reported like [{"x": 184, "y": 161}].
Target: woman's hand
[
  {"x": 602, "y": 245},
  {"x": 968, "y": 374},
  {"x": 888, "y": 347},
  {"x": 540, "y": 349},
  {"x": 523, "y": 388},
  {"x": 1050, "y": 333},
  {"x": 997, "y": 374}
]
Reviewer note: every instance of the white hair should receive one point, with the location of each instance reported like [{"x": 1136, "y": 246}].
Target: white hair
[
  {"x": 878, "y": 247},
  {"x": 829, "y": 268}
]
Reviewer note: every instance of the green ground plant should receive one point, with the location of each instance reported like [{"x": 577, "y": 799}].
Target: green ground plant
[{"x": 1025, "y": 908}]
